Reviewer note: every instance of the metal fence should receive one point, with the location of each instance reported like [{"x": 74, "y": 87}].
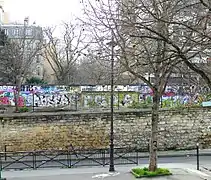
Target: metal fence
[{"x": 66, "y": 158}]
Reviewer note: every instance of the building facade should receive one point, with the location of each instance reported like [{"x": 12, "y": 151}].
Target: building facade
[{"x": 31, "y": 36}]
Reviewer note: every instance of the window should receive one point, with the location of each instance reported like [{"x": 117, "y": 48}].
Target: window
[
  {"x": 16, "y": 32},
  {"x": 6, "y": 31},
  {"x": 29, "y": 32}
]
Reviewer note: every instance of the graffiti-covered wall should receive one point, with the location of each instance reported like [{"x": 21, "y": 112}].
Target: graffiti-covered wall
[
  {"x": 102, "y": 99},
  {"x": 40, "y": 96},
  {"x": 94, "y": 96}
]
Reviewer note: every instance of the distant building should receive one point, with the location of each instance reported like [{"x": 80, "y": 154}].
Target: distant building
[
  {"x": 32, "y": 35},
  {"x": 49, "y": 73}
]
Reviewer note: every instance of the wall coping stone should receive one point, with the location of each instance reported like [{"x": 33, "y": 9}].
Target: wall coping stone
[{"x": 126, "y": 111}]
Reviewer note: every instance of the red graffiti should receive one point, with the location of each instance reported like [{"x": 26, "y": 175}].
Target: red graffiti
[
  {"x": 4, "y": 101},
  {"x": 21, "y": 101}
]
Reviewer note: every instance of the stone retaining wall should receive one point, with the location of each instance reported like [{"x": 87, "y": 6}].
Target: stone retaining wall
[{"x": 33, "y": 131}]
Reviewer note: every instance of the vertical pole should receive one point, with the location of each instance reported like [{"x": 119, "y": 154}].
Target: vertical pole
[
  {"x": 137, "y": 157},
  {"x": 2, "y": 121},
  {"x": 0, "y": 173},
  {"x": 0, "y": 168},
  {"x": 34, "y": 160},
  {"x": 68, "y": 158},
  {"x": 101, "y": 100},
  {"x": 5, "y": 152},
  {"x": 33, "y": 101},
  {"x": 118, "y": 99},
  {"x": 111, "y": 167},
  {"x": 104, "y": 156},
  {"x": 197, "y": 155},
  {"x": 161, "y": 101},
  {"x": 76, "y": 103},
  {"x": 1, "y": 178}
]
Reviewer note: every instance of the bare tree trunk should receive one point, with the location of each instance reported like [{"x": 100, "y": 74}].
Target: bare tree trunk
[
  {"x": 16, "y": 99},
  {"x": 154, "y": 132},
  {"x": 17, "y": 95}
]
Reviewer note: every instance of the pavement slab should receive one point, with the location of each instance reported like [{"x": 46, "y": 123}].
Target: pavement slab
[
  {"x": 123, "y": 173},
  {"x": 178, "y": 174}
]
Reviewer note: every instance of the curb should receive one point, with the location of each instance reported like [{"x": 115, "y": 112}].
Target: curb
[{"x": 179, "y": 154}]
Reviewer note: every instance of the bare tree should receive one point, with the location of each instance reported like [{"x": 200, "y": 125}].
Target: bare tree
[
  {"x": 93, "y": 69},
  {"x": 17, "y": 57},
  {"x": 156, "y": 37},
  {"x": 198, "y": 39},
  {"x": 190, "y": 34},
  {"x": 63, "y": 54},
  {"x": 140, "y": 50}
]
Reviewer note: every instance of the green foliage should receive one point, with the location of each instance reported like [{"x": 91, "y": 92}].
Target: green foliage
[
  {"x": 143, "y": 104},
  {"x": 35, "y": 81},
  {"x": 148, "y": 100},
  {"x": 92, "y": 103},
  {"x": 167, "y": 103},
  {"x": 208, "y": 97},
  {"x": 180, "y": 106},
  {"x": 144, "y": 172},
  {"x": 23, "y": 109},
  {"x": 138, "y": 105},
  {"x": 196, "y": 105}
]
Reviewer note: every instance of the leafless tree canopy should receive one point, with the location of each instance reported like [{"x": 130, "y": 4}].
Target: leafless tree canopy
[
  {"x": 158, "y": 37},
  {"x": 184, "y": 27},
  {"x": 17, "y": 57},
  {"x": 63, "y": 54}
]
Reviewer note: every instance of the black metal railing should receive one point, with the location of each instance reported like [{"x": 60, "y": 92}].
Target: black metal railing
[{"x": 66, "y": 158}]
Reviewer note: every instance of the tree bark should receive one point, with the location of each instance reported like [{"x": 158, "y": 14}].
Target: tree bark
[
  {"x": 17, "y": 95},
  {"x": 154, "y": 132}
]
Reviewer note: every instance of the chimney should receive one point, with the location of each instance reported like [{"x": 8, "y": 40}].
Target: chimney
[{"x": 26, "y": 21}]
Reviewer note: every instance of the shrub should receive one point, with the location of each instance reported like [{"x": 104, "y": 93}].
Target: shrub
[
  {"x": 144, "y": 172},
  {"x": 92, "y": 104},
  {"x": 23, "y": 109},
  {"x": 139, "y": 105}
]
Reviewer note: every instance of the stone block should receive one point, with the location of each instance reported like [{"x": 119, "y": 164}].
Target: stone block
[{"x": 177, "y": 130}]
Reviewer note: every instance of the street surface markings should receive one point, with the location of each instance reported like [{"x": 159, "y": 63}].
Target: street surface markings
[
  {"x": 102, "y": 176},
  {"x": 197, "y": 172}
]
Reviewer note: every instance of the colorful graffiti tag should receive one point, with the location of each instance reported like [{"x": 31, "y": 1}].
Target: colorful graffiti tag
[
  {"x": 37, "y": 96},
  {"x": 99, "y": 96}
]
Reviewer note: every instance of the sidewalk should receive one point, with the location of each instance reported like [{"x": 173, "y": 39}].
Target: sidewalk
[
  {"x": 180, "y": 172},
  {"x": 183, "y": 153}
]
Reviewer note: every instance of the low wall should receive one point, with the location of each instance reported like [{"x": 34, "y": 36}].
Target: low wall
[{"x": 40, "y": 131}]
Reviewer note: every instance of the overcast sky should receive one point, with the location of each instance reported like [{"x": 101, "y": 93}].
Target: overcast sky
[{"x": 44, "y": 12}]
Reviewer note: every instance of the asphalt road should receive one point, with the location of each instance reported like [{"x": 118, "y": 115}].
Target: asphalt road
[{"x": 21, "y": 164}]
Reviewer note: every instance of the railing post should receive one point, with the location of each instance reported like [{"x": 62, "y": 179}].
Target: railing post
[
  {"x": 1, "y": 178},
  {"x": 69, "y": 159},
  {"x": 137, "y": 157},
  {"x": 5, "y": 152},
  {"x": 197, "y": 155},
  {"x": 34, "y": 160},
  {"x": 104, "y": 157}
]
